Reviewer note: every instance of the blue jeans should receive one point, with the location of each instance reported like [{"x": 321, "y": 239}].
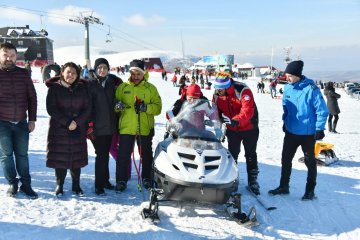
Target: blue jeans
[
  {"x": 273, "y": 89},
  {"x": 14, "y": 140}
]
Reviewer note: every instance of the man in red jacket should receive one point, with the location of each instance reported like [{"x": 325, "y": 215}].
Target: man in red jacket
[
  {"x": 17, "y": 95},
  {"x": 237, "y": 108}
]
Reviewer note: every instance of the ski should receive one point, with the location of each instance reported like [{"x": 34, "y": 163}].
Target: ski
[{"x": 261, "y": 200}]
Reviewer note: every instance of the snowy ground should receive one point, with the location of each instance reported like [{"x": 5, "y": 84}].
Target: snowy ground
[{"x": 334, "y": 215}]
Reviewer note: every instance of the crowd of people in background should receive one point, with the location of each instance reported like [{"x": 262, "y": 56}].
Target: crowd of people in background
[{"x": 112, "y": 113}]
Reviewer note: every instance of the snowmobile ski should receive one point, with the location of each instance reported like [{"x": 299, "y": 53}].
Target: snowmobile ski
[
  {"x": 151, "y": 213},
  {"x": 233, "y": 208},
  {"x": 262, "y": 202}
]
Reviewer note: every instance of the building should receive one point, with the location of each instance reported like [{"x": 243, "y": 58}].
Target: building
[{"x": 32, "y": 46}]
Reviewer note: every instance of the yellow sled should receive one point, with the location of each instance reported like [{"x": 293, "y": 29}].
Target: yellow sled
[{"x": 324, "y": 154}]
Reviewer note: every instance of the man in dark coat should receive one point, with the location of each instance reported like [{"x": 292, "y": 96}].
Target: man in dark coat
[
  {"x": 332, "y": 105},
  {"x": 102, "y": 87},
  {"x": 69, "y": 107},
  {"x": 17, "y": 96}
]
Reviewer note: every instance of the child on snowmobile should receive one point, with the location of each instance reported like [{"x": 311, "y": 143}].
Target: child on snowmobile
[{"x": 189, "y": 120}]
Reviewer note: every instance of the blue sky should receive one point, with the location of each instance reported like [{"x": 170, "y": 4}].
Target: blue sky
[{"x": 324, "y": 33}]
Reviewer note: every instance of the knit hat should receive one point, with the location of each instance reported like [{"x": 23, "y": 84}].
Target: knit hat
[
  {"x": 222, "y": 81},
  {"x": 193, "y": 90},
  {"x": 137, "y": 65},
  {"x": 295, "y": 68},
  {"x": 101, "y": 61}
]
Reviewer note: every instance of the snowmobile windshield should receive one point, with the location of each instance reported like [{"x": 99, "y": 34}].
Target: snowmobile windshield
[{"x": 197, "y": 119}]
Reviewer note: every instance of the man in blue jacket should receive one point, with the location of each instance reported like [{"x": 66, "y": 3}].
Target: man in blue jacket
[{"x": 304, "y": 117}]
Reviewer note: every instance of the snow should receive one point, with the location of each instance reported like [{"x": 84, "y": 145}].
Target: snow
[
  {"x": 334, "y": 215},
  {"x": 75, "y": 54}
]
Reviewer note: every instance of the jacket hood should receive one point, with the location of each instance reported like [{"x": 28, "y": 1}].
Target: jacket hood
[{"x": 303, "y": 83}]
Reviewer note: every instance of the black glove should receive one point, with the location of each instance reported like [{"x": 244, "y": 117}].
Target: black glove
[
  {"x": 229, "y": 121},
  {"x": 119, "y": 106},
  {"x": 319, "y": 135},
  {"x": 284, "y": 128},
  {"x": 140, "y": 106}
]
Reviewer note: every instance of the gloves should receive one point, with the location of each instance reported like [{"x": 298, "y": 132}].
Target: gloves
[
  {"x": 90, "y": 131},
  {"x": 119, "y": 106},
  {"x": 319, "y": 135},
  {"x": 230, "y": 122},
  {"x": 140, "y": 106},
  {"x": 284, "y": 128},
  {"x": 173, "y": 127}
]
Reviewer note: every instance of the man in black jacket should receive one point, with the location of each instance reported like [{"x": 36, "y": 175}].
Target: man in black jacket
[
  {"x": 14, "y": 127},
  {"x": 103, "y": 123}
]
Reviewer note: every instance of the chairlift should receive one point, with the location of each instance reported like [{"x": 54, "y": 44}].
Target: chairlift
[{"x": 108, "y": 37}]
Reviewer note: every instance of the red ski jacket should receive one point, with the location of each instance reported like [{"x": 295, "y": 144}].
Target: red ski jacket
[{"x": 238, "y": 104}]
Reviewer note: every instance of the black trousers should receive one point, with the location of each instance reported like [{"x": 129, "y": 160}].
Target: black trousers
[
  {"x": 249, "y": 140},
  {"x": 102, "y": 145},
  {"x": 291, "y": 143},
  {"x": 60, "y": 174},
  {"x": 126, "y": 146}
]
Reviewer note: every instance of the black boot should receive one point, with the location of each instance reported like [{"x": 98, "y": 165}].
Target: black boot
[
  {"x": 59, "y": 190},
  {"x": 13, "y": 189},
  {"x": 330, "y": 126},
  {"x": 120, "y": 186},
  {"x": 334, "y": 128},
  {"x": 280, "y": 190},
  {"x": 252, "y": 181},
  {"x": 309, "y": 192},
  {"x": 60, "y": 175},
  {"x": 75, "y": 175}
]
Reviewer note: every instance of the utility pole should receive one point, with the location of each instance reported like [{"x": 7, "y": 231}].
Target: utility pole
[{"x": 86, "y": 20}]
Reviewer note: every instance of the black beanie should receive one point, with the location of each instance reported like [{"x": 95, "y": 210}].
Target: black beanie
[
  {"x": 295, "y": 68},
  {"x": 137, "y": 65},
  {"x": 101, "y": 61}
]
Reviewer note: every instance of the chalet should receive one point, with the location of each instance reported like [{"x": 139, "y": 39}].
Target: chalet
[{"x": 32, "y": 46}]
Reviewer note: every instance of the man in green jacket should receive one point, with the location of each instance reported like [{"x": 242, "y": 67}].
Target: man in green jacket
[{"x": 138, "y": 102}]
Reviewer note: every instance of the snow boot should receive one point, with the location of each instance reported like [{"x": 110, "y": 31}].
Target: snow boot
[
  {"x": 330, "y": 126},
  {"x": 28, "y": 191},
  {"x": 252, "y": 181},
  {"x": 109, "y": 186},
  {"x": 77, "y": 190},
  {"x": 12, "y": 191},
  {"x": 75, "y": 175},
  {"x": 100, "y": 192},
  {"x": 120, "y": 186},
  {"x": 147, "y": 183},
  {"x": 309, "y": 195},
  {"x": 59, "y": 190},
  {"x": 334, "y": 127},
  {"x": 280, "y": 190}
]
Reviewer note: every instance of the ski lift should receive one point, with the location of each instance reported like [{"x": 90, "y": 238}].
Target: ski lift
[{"x": 108, "y": 37}]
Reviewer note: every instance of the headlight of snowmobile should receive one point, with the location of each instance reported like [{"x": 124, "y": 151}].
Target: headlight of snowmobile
[{"x": 198, "y": 144}]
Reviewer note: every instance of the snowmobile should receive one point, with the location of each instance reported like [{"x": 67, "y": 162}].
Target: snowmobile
[
  {"x": 193, "y": 166},
  {"x": 324, "y": 154}
]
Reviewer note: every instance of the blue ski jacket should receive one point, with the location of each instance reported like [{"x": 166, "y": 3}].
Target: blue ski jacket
[{"x": 305, "y": 110}]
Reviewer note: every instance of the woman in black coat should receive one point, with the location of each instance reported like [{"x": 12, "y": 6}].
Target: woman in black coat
[
  {"x": 69, "y": 107},
  {"x": 102, "y": 87},
  {"x": 332, "y": 105}
]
